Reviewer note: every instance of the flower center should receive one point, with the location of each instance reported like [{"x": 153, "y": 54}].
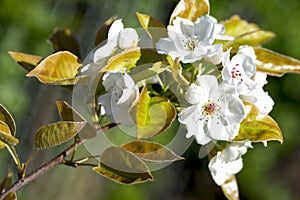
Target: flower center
[
  {"x": 209, "y": 108},
  {"x": 235, "y": 73},
  {"x": 191, "y": 44}
]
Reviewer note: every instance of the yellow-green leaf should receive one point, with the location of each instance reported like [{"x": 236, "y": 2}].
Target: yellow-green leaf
[
  {"x": 6, "y": 117},
  {"x": 27, "y": 61},
  {"x": 67, "y": 113},
  {"x": 124, "y": 60},
  {"x": 54, "y": 134},
  {"x": 230, "y": 189},
  {"x": 154, "y": 115},
  {"x": 245, "y": 33},
  {"x": 153, "y": 28},
  {"x": 11, "y": 196},
  {"x": 103, "y": 30},
  {"x": 6, "y": 137},
  {"x": 274, "y": 63},
  {"x": 64, "y": 40},
  {"x": 151, "y": 151},
  {"x": 190, "y": 9},
  {"x": 177, "y": 71},
  {"x": 57, "y": 68},
  {"x": 122, "y": 166},
  {"x": 258, "y": 127},
  {"x": 5, "y": 130}
]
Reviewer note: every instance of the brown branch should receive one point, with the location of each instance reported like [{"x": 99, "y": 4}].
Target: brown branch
[{"x": 59, "y": 159}]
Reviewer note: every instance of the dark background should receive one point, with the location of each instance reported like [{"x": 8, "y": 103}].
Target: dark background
[{"x": 269, "y": 173}]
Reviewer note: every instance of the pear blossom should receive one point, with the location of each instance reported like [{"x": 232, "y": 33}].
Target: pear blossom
[
  {"x": 215, "y": 113},
  {"x": 121, "y": 98},
  {"x": 190, "y": 41},
  {"x": 228, "y": 162}
]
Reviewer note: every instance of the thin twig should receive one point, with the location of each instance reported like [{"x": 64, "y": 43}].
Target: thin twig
[{"x": 59, "y": 159}]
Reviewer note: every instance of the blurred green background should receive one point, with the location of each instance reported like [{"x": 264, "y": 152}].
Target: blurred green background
[{"x": 269, "y": 173}]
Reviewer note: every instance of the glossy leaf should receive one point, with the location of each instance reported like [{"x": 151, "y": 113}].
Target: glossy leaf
[
  {"x": 154, "y": 115},
  {"x": 11, "y": 196},
  {"x": 103, "y": 30},
  {"x": 6, "y": 117},
  {"x": 190, "y": 9},
  {"x": 151, "y": 151},
  {"x": 124, "y": 60},
  {"x": 54, "y": 134},
  {"x": 245, "y": 33},
  {"x": 122, "y": 166},
  {"x": 153, "y": 28},
  {"x": 258, "y": 127},
  {"x": 6, "y": 137},
  {"x": 5, "y": 130},
  {"x": 27, "y": 61},
  {"x": 230, "y": 189},
  {"x": 67, "y": 113},
  {"x": 274, "y": 63},
  {"x": 59, "y": 68},
  {"x": 64, "y": 40}
]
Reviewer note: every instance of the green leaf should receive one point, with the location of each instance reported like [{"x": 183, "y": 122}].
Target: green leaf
[
  {"x": 154, "y": 115},
  {"x": 59, "y": 69},
  {"x": 6, "y": 117},
  {"x": 8, "y": 180},
  {"x": 27, "y": 61},
  {"x": 230, "y": 189},
  {"x": 153, "y": 28},
  {"x": 190, "y": 9},
  {"x": 274, "y": 63},
  {"x": 258, "y": 127},
  {"x": 177, "y": 71},
  {"x": 11, "y": 196},
  {"x": 67, "y": 113},
  {"x": 54, "y": 134},
  {"x": 103, "y": 30},
  {"x": 151, "y": 151},
  {"x": 122, "y": 166},
  {"x": 6, "y": 137},
  {"x": 245, "y": 33},
  {"x": 124, "y": 60},
  {"x": 64, "y": 40}
]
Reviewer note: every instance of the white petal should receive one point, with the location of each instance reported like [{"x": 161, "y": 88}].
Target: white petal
[
  {"x": 115, "y": 29},
  {"x": 106, "y": 50},
  {"x": 110, "y": 79},
  {"x": 105, "y": 101},
  {"x": 208, "y": 82},
  {"x": 128, "y": 38},
  {"x": 196, "y": 94}
]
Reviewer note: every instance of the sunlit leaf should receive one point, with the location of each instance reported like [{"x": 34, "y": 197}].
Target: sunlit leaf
[
  {"x": 190, "y": 9},
  {"x": 122, "y": 166},
  {"x": 67, "y": 113},
  {"x": 64, "y": 40},
  {"x": 274, "y": 63},
  {"x": 154, "y": 115},
  {"x": 124, "y": 60},
  {"x": 27, "y": 61},
  {"x": 103, "y": 30},
  {"x": 151, "y": 151},
  {"x": 54, "y": 134},
  {"x": 258, "y": 127},
  {"x": 58, "y": 68},
  {"x": 6, "y": 117},
  {"x": 11, "y": 196},
  {"x": 245, "y": 33},
  {"x": 6, "y": 137},
  {"x": 153, "y": 28},
  {"x": 230, "y": 189},
  {"x": 177, "y": 71}
]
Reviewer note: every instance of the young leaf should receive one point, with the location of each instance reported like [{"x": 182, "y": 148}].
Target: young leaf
[
  {"x": 258, "y": 127},
  {"x": 6, "y": 117},
  {"x": 122, "y": 166},
  {"x": 230, "y": 189},
  {"x": 151, "y": 151},
  {"x": 245, "y": 33},
  {"x": 177, "y": 71},
  {"x": 11, "y": 196},
  {"x": 274, "y": 63},
  {"x": 190, "y": 9},
  {"x": 67, "y": 113},
  {"x": 27, "y": 61},
  {"x": 6, "y": 137},
  {"x": 103, "y": 30},
  {"x": 64, "y": 40},
  {"x": 54, "y": 134},
  {"x": 57, "y": 68},
  {"x": 154, "y": 115},
  {"x": 124, "y": 60}
]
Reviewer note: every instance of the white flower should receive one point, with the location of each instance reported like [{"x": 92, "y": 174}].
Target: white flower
[
  {"x": 190, "y": 41},
  {"x": 117, "y": 35},
  {"x": 229, "y": 162},
  {"x": 239, "y": 70},
  {"x": 214, "y": 114},
  {"x": 121, "y": 98}
]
